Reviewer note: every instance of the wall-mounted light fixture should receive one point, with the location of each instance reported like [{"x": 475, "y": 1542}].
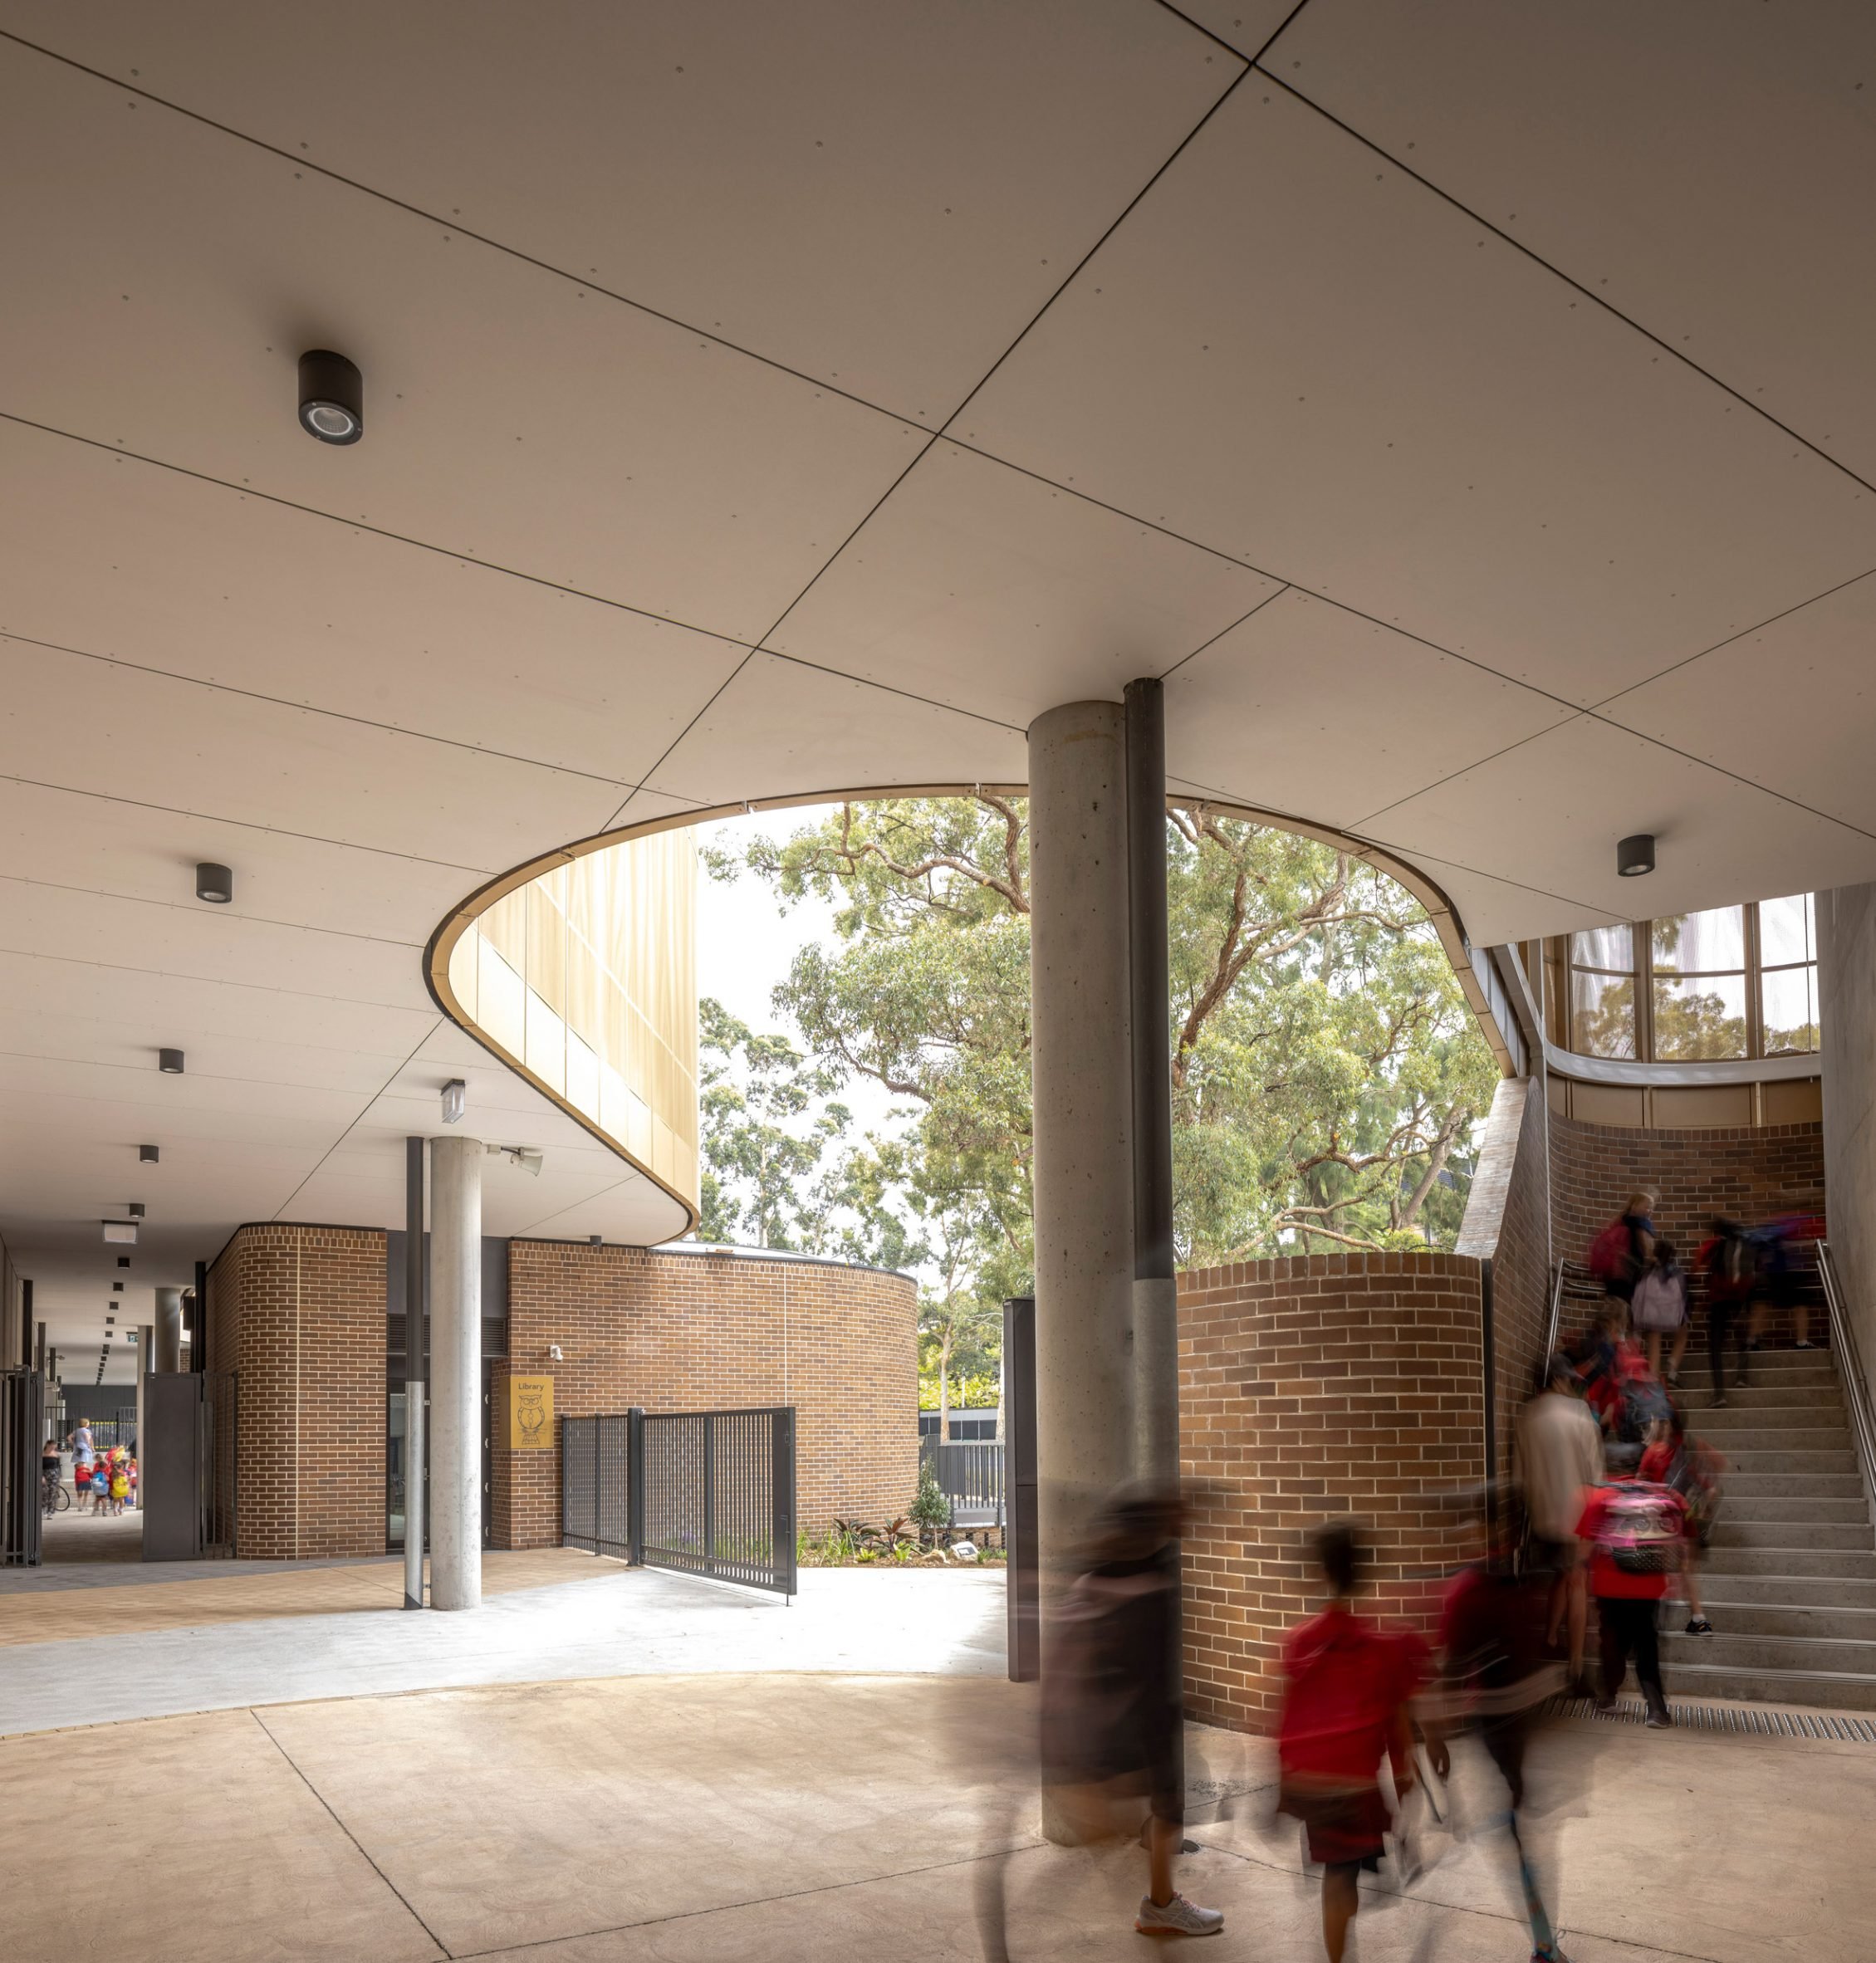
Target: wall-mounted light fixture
[
  {"x": 214, "y": 884},
  {"x": 169, "y": 1062},
  {"x": 331, "y": 397},
  {"x": 1635, "y": 856}
]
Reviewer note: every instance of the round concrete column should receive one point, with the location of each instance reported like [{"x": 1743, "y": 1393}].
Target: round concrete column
[
  {"x": 456, "y": 1372},
  {"x": 1081, "y": 1059},
  {"x": 169, "y": 1329}
]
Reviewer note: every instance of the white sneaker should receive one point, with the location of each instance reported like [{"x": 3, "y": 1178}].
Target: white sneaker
[{"x": 1176, "y": 1917}]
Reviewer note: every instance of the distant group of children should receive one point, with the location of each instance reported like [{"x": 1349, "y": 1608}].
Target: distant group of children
[{"x": 102, "y": 1482}]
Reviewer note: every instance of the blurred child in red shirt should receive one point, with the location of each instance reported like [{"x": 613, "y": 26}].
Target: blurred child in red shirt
[{"x": 1344, "y": 1709}]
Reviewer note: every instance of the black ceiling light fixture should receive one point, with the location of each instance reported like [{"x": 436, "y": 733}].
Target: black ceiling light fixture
[
  {"x": 123, "y": 1261},
  {"x": 169, "y": 1062},
  {"x": 331, "y": 397},
  {"x": 134, "y": 1208},
  {"x": 1635, "y": 856},
  {"x": 117, "y": 1288},
  {"x": 148, "y": 1155},
  {"x": 214, "y": 882}
]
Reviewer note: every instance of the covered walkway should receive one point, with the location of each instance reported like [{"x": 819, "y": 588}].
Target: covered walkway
[{"x": 835, "y": 1816}]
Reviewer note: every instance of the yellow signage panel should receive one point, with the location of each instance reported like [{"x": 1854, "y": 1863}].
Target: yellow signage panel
[{"x": 531, "y": 1413}]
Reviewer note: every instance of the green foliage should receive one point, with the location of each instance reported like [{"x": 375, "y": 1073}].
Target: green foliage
[
  {"x": 930, "y": 1508},
  {"x": 1327, "y": 1072}
]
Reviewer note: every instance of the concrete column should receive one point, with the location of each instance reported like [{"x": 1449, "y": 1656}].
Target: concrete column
[
  {"x": 456, "y": 1372},
  {"x": 1081, "y": 1059},
  {"x": 144, "y": 1336},
  {"x": 1156, "y": 1293},
  {"x": 169, "y": 1330}
]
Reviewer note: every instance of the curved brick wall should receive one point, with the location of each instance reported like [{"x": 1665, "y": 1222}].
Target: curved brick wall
[
  {"x": 689, "y": 1332},
  {"x": 1311, "y": 1388}
]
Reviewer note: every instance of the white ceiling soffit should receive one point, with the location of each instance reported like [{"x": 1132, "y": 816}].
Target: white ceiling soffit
[
  {"x": 975, "y": 586},
  {"x": 114, "y": 556},
  {"x": 1559, "y": 802},
  {"x": 565, "y": 437},
  {"x": 780, "y": 726},
  {"x": 878, "y": 197},
  {"x": 1303, "y": 360},
  {"x": 1308, "y": 708},
  {"x": 1705, "y": 170}
]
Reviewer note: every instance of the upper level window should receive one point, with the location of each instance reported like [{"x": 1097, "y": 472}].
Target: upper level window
[
  {"x": 1730, "y": 982},
  {"x": 1602, "y": 991},
  {"x": 1788, "y": 975},
  {"x": 1699, "y": 985}
]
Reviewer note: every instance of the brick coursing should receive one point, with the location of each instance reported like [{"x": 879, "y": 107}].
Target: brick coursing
[
  {"x": 1748, "y": 1174},
  {"x": 298, "y": 1313},
  {"x": 682, "y": 1332},
  {"x": 1313, "y": 1388}
]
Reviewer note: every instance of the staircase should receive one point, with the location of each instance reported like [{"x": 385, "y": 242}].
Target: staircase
[{"x": 1790, "y": 1582}]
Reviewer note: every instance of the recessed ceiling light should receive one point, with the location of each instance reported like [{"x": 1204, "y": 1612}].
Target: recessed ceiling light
[
  {"x": 169, "y": 1062},
  {"x": 331, "y": 397},
  {"x": 1635, "y": 856},
  {"x": 214, "y": 884}
]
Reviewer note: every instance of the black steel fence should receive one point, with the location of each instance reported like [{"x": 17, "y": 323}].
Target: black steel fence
[
  {"x": 22, "y": 1426},
  {"x": 702, "y": 1492},
  {"x": 970, "y": 1476}
]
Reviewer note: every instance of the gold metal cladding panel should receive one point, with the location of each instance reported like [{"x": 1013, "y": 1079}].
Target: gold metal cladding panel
[{"x": 585, "y": 977}]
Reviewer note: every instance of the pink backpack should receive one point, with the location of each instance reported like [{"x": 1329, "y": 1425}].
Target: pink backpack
[{"x": 1641, "y": 1529}]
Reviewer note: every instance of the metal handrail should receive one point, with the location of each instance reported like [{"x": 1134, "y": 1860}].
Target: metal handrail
[
  {"x": 1561, "y": 1277},
  {"x": 1849, "y": 1369}
]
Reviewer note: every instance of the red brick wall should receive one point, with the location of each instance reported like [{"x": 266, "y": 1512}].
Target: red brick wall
[
  {"x": 299, "y": 1313},
  {"x": 1750, "y": 1174},
  {"x": 678, "y": 1332},
  {"x": 1313, "y": 1388},
  {"x": 1507, "y": 1223}
]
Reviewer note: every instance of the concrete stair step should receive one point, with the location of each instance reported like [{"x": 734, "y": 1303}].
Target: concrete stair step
[
  {"x": 1793, "y": 1535},
  {"x": 1775, "y": 1370},
  {"x": 1724, "y": 1651},
  {"x": 1779, "y": 1591},
  {"x": 1799, "y": 1508},
  {"x": 1808, "y": 1465},
  {"x": 1817, "y": 1690},
  {"x": 1745, "y": 1618},
  {"x": 1739, "y": 1485},
  {"x": 1802, "y": 1563},
  {"x": 1697, "y": 1399},
  {"x": 1731, "y": 1440}
]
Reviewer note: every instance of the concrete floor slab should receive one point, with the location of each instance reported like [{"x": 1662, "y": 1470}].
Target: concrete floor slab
[
  {"x": 620, "y": 1621},
  {"x": 700, "y": 1819}
]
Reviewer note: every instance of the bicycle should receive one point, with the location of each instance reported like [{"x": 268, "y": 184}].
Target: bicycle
[{"x": 53, "y": 1497}]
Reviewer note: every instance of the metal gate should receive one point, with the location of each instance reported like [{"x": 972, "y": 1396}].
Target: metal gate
[
  {"x": 22, "y": 1428},
  {"x": 703, "y": 1492}
]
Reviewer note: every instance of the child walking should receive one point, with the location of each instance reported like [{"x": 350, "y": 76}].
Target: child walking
[{"x": 1344, "y": 1709}]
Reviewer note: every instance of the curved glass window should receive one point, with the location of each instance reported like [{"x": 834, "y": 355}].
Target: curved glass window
[{"x": 1730, "y": 982}]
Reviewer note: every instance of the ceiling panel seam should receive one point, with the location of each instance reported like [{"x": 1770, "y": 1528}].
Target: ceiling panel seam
[
  {"x": 437, "y": 1023},
  {"x": 1570, "y": 279},
  {"x": 363, "y": 526},
  {"x": 1756, "y": 627},
  {"x": 308, "y": 708},
  {"x": 300, "y": 161},
  {"x": 194, "y": 981},
  {"x": 310, "y": 838},
  {"x": 1167, "y": 674},
  {"x": 227, "y": 921}
]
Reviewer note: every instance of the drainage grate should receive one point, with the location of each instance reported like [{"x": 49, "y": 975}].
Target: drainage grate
[{"x": 1759, "y": 1721}]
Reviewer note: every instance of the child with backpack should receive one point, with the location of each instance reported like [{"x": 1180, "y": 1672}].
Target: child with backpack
[
  {"x": 1620, "y": 1255},
  {"x": 1729, "y": 1261},
  {"x": 1673, "y": 1459},
  {"x": 1636, "y": 1531},
  {"x": 1659, "y": 1310},
  {"x": 1348, "y": 1685}
]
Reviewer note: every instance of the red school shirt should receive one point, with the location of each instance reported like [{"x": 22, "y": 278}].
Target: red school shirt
[
  {"x": 1605, "y": 1578},
  {"x": 1347, "y": 1677}
]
